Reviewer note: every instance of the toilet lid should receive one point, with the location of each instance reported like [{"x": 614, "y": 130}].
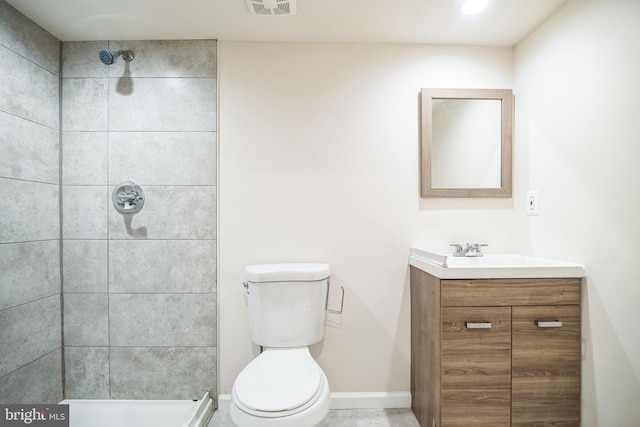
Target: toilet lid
[{"x": 278, "y": 380}]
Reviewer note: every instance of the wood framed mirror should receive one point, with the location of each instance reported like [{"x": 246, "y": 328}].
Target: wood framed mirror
[{"x": 466, "y": 147}]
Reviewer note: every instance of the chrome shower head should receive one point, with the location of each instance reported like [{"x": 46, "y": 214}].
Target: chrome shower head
[{"x": 108, "y": 57}]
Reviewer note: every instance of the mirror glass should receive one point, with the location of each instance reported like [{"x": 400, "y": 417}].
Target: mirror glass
[{"x": 466, "y": 142}]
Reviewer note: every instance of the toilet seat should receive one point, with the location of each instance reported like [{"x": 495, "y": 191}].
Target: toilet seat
[{"x": 279, "y": 382}]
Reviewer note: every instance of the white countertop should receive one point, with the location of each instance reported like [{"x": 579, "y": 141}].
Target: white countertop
[{"x": 491, "y": 266}]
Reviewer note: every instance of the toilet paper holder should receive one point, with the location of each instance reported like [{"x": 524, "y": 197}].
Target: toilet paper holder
[{"x": 341, "y": 300}]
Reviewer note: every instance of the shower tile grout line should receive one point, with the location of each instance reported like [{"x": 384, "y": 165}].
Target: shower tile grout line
[
  {"x": 61, "y": 224},
  {"x": 32, "y": 362},
  {"x": 108, "y": 240},
  {"x": 57, "y": 239},
  {"x": 31, "y": 302}
]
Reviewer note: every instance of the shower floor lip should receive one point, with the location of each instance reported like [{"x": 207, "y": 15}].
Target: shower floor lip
[{"x": 139, "y": 413}]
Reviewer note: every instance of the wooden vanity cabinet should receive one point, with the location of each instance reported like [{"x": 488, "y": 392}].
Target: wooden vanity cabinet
[{"x": 523, "y": 370}]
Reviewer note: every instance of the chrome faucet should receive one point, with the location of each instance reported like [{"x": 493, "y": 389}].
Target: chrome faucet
[
  {"x": 457, "y": 251},
  {"x": 472, "y": 249}
]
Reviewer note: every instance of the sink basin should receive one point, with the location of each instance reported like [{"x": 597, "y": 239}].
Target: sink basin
[{"x": 491, "y": 266}]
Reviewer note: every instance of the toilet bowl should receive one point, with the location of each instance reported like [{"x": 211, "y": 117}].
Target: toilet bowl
[{"x": 284, "y": 386}]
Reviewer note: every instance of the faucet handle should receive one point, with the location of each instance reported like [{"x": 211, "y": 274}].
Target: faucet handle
[
  {"x": 458, "y": 251},
  {"x": 475, "y": 249}
]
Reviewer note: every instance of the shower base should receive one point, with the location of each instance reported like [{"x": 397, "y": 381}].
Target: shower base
[{"x": 140, "y": 413}]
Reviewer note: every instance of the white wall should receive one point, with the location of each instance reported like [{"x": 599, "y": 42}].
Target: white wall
[
  {"x": 319, "y": 161},
  {"x": 577, "y": 130}
]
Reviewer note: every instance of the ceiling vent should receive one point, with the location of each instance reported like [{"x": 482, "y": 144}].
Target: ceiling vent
[{"x": 272, "y": 7}]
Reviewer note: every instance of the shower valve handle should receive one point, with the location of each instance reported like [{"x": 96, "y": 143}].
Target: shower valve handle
[
  {"x": 123, "y": 196},
  {"x": 128, "y": 198}
]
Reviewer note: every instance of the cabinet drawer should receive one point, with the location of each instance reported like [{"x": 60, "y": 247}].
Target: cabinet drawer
[
  {"x": 510, "y": 292},
  {"x": 476, "y": 359},
  {"x": 546, "y": 366}
]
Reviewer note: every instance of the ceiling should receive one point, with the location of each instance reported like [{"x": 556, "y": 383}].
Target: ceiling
[{"x": 502, "y": 23}]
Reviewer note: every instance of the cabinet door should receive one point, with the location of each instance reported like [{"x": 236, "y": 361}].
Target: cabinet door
[
  {"x": 476, "y": 361},
  {"x": 546, "y": 366}
]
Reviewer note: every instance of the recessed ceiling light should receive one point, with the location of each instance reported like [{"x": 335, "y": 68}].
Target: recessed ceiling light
[{"x": 469, "y": 7}]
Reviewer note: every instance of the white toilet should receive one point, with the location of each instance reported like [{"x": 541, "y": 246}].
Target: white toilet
[{"x": 284, "y": 386}]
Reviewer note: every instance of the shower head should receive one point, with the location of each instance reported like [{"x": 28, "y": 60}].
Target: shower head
[{"x": 108, "y": 57}]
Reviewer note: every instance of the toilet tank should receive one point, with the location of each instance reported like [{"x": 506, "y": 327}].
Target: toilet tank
[{"x": 287, "y": 303}]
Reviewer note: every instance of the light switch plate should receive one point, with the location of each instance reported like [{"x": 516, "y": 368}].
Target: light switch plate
[{"x": 533, "y": 202}]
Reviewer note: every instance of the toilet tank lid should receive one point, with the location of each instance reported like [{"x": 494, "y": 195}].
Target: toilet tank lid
[{"x": 292, "y": 272}]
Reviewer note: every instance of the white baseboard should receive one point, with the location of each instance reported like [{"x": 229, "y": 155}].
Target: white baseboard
[
  {"x": 371, "y": 400},
  {"x": 360, "y": 400},
  {"x": 224, "y": 400}
]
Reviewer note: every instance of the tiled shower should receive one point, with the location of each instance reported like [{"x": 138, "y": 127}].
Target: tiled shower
[{"x": 94, "y": 303}]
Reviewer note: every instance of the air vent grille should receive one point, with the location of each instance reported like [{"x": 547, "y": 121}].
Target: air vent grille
[{"x": 272, "y": 7}]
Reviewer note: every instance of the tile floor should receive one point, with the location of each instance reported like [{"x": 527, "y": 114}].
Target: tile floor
[{"x": 346, "y": 418}]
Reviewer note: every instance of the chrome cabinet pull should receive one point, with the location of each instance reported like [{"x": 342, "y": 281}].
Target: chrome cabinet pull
[
  {"x": 478, "y": 325},
  {"x": 549, "y": 323}
]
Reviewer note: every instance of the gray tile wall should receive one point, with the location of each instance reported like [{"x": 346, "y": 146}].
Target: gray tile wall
[
  {"x": 30, "y": 309},
  {"x": 140, "y": 291}
]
